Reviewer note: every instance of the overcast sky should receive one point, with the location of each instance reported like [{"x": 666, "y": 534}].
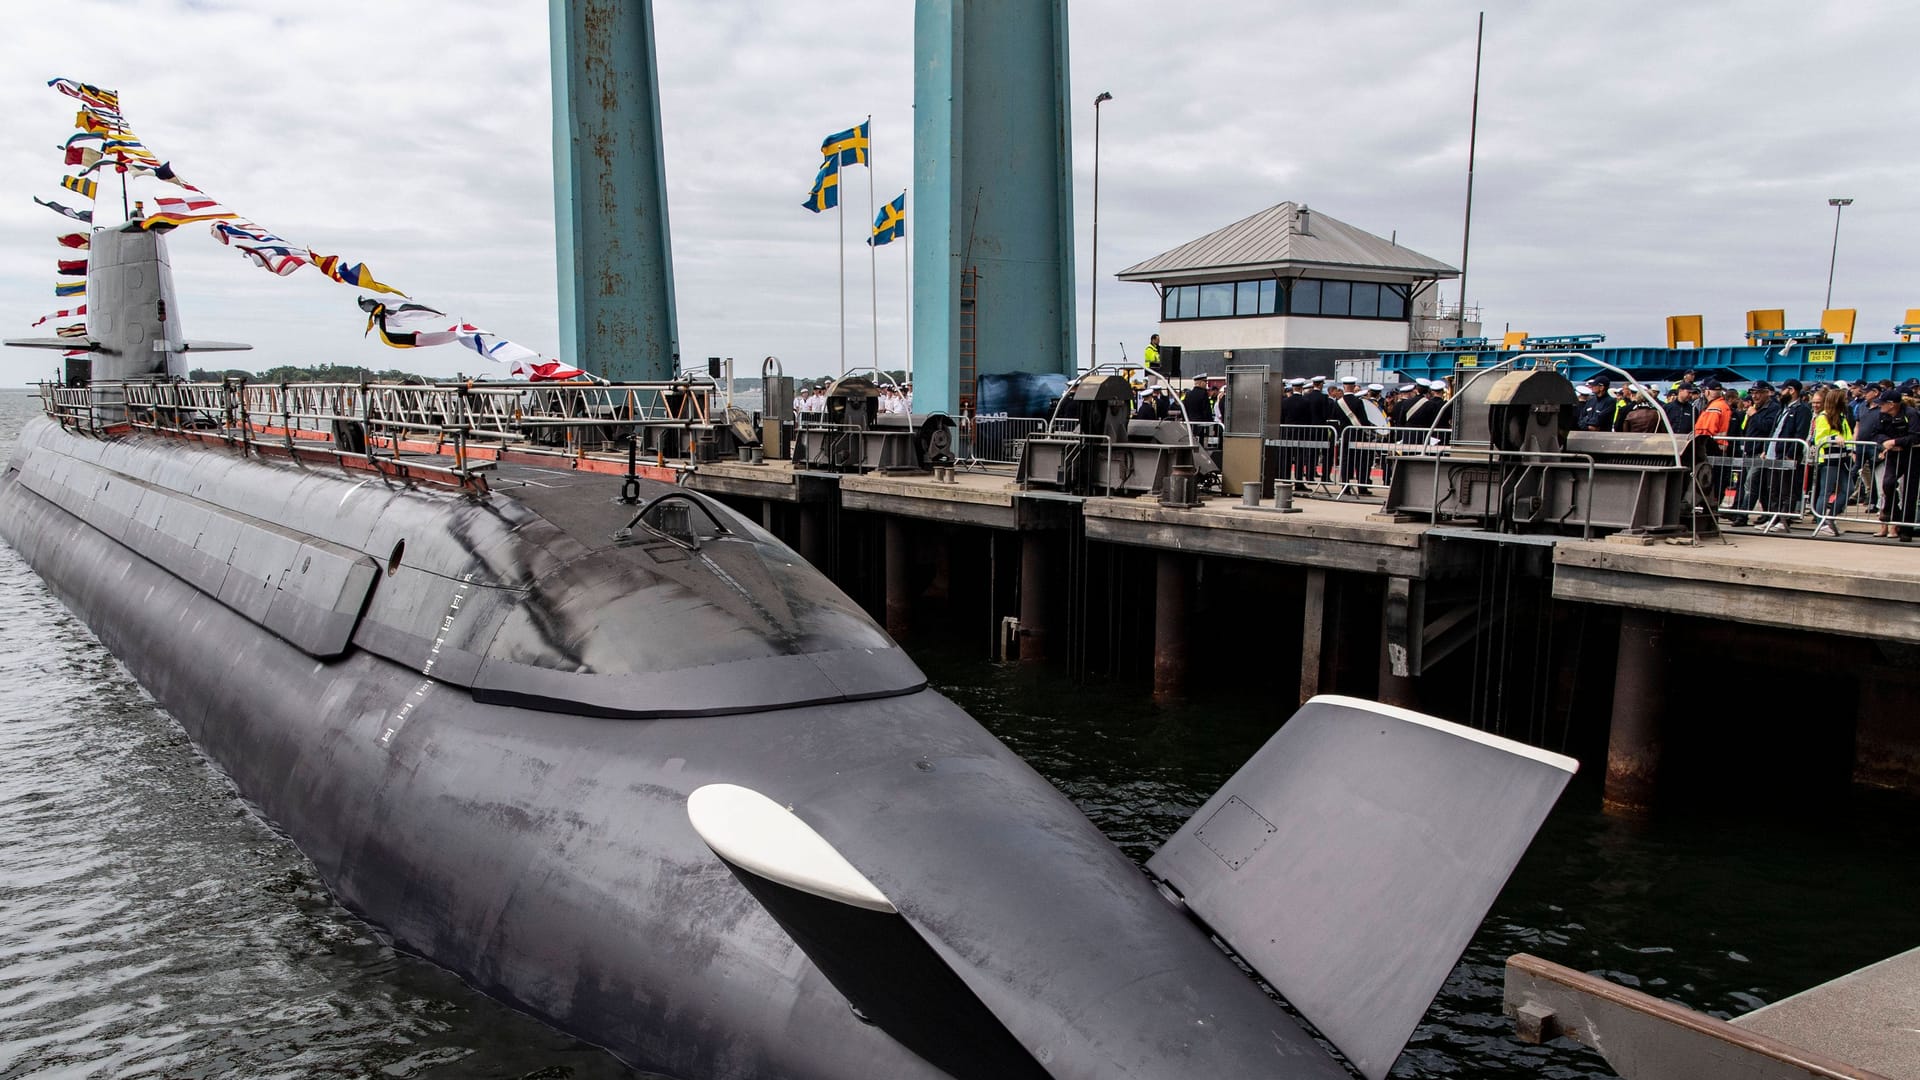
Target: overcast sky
[{"x": 1635, "y": 159}]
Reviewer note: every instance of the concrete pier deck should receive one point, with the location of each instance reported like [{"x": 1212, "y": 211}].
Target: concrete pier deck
[
  {"x": 1852, "y": 589},
  {"x": 1869, "y": 1018},
  {"x": 1326, "y": 534}
]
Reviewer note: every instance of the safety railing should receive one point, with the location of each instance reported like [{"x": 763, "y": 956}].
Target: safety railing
[
  {"x": 367, "y": 419},
  {"x": 494, "y": 411}
]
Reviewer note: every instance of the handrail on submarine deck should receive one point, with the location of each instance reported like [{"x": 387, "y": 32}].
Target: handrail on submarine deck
[{"x": 240, "y": 411}]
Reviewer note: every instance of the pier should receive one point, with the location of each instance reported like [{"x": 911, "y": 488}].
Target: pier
[{"x": 1609, "y": 648}]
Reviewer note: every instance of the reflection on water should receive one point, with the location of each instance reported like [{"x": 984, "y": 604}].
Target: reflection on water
[{"x": 150, "y": 926}]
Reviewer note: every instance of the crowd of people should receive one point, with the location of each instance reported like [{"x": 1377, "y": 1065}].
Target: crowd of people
[
  {"x": 1781, "y": 454},
  {"x": 893, "y": 399},
  {"x": 1797, "y": 450}
]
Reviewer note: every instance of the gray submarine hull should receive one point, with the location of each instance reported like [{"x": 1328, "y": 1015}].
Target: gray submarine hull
[{"x": 545, "y": 855}]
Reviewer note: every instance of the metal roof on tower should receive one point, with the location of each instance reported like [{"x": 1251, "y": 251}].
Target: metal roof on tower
[{"x": 1282, "y": 237}]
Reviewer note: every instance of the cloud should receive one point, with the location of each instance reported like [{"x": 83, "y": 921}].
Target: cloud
[{"x": 1636, "y": 159}]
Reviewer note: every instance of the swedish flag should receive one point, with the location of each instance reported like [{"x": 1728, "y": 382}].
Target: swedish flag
[
  {"x": 849, "y": 147},
  {"x": 891, "y": 223},
  {"x": 826, "y": 187}
]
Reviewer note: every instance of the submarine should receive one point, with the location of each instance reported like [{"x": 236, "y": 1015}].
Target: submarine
[{"x": 616, "y": 756}]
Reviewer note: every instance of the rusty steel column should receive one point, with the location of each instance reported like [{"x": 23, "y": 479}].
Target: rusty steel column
[
  {"x": 1313, "y": 622},
  {"x": 1172, "y": 583},
  {"x": 813, "y": 537},
  {"x": 1639, "y": 705},
  {"x": 899, "y": 603},
  {"x": 1033, "y": 596},
  {"x": 615, "y": 260},
  {"x": 1398, "y": 684}
]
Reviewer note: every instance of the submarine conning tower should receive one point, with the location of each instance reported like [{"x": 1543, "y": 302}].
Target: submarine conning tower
[
  {"x": 132, "y": 316},
  {"x": 133, "y": 323}
]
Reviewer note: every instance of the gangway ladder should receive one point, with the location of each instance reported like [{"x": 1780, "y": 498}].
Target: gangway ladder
[{"x": 969, "y": 338}]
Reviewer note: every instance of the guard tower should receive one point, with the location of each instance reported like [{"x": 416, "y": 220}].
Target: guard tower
[
  {"x": 610, "y": 192},
  {"x": 993, "y": 248}
]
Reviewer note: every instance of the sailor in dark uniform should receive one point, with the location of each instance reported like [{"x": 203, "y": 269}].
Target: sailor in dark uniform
[
  {"x": 1422, "y": 411},
  {"x": 1345, "y": 411},
  {"x": 1596, "y": 413},
  {"x": 1298, "y": 417},
  {"x": 1319, "y": 461}
]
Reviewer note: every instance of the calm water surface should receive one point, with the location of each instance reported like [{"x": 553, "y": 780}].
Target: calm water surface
[{"x": 151, "y": 926}]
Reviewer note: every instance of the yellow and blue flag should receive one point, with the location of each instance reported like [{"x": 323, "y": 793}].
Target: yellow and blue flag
[
  {"x": 826, "y": 187},
  {"x": 80, "y": 185},
  {"x": 69, "y": 288},
  {"x": 891, "y": 223},
  {"x": 849, "y": 147}
]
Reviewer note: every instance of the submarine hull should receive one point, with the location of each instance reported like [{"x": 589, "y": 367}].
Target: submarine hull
[{"x": 546, "y": 855}]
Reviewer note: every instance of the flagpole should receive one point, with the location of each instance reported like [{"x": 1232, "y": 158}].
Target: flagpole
[
  {"x": 906, "y": 305},
  {"x": 873, "y": 250},
  {"x": 840, "y": 207}
]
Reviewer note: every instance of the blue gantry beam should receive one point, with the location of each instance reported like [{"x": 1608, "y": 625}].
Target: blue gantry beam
[
  {"x": 610, "y": 192},
  {"x": 993, "y": 191}
]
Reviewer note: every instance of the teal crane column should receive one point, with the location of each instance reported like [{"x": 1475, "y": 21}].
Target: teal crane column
[
  {"x": 610, "y": 192},
  {"x": 993, "y": 187}
]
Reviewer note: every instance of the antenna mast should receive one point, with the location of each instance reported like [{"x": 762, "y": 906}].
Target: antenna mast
[{"x": 1473, "y": 135}]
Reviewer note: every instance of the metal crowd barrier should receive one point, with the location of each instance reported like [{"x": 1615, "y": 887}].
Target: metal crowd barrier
[
  {"x": 1771, "y": 479},
  {"x": 1365, "y": 466},
  {"x": 996, "y": 440},
  {"x": 1307, "y": 453},
  {"x": 1884, "y": 484},
  {"x": 1788, "y": 480}
]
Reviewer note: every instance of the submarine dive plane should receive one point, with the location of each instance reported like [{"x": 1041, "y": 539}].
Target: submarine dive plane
[{"x": 617, "y": 756}]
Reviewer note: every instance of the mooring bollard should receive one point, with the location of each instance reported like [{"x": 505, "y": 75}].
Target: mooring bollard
[
  {"x": 758, "y": 457},
  {"x": 1283, "y": 499},
  {"x": 746, "y": 455},
  {"x": 1250, "y": 493}
]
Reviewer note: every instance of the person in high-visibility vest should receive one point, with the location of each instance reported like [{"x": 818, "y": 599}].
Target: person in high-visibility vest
[{"x": 1152, "y": 356}]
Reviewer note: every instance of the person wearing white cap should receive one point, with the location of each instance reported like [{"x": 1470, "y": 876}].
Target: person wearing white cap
[
  {"x": 1583, "y": 390},
  {"x": 1319, "y": 463},
  {"x": 1344, "y": 411},
  {"x": 1376, "y": 388},
  {"x": 1422, "y": 410},
  {"x": 1299, "y": 416}
]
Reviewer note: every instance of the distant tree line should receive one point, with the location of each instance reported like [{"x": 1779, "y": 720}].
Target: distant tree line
[
  {"x": 320, "y": 373},
  {"x": 821, "y": 382}
]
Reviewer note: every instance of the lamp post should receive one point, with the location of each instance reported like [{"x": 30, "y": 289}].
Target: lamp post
[
  {"x": 1093, "y": 318},
  {"x": 1837, "y": 205}
]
